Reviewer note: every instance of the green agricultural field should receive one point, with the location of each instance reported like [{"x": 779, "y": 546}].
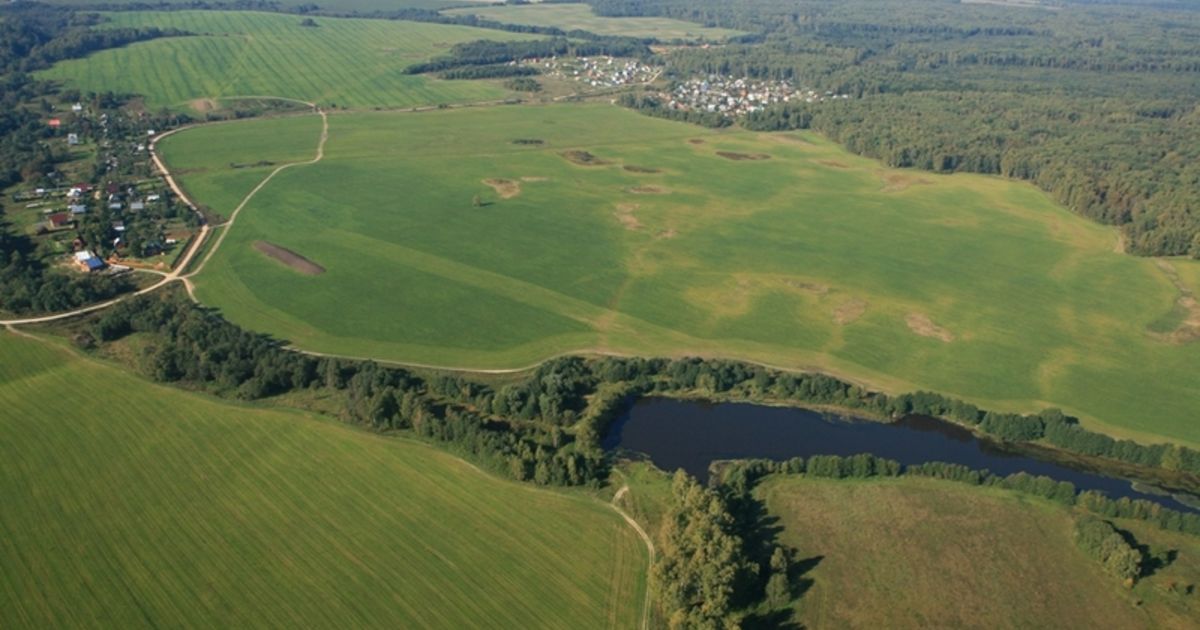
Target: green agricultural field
[
  {"x": 347, "y": 62},
  {"x": 906, "y": 552},
  {"x": 580, "y": 16},
  {"x": 807, "y": 258},
  {"x": 129, "y": 504},
  {"x": 360, "y": 6}
]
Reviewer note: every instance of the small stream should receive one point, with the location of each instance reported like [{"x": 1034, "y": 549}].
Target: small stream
[{"x": 691, "y": 434}]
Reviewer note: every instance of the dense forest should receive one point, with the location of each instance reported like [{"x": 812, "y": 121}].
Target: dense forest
[{"x": 1096, "y": 104}]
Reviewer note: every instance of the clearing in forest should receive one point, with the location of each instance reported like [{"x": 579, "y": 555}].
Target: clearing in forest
[{"x": 1041, "y": 311}]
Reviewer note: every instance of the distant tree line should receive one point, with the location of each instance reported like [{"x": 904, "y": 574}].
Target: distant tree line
[
  {"x": 652, "y": 105},
  {"x": 487, "y": 52},
  {"x": 549, "y": 426},
  {"x": 741, "y": 476},
  {"x": 493, "y": 71},
  {"x": 1078, "y": 100}
]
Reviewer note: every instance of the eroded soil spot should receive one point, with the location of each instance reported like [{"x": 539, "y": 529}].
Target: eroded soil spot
[
  {"x": 922, "y": 325},
  {"x": 506, "y": 188},
  {"x": 290, "y": 258}
]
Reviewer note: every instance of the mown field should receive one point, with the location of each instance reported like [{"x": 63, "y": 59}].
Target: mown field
[
  {"x": 809, "y": 258},
  {"x": 901, "y": 553},
  {"x": 128, "y": 504},
  {"x": 344, "y": 62},
  {"x": 580, "y": 16}
]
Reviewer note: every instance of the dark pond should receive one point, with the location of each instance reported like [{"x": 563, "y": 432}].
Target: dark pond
[{"x": 689, "y": 435}]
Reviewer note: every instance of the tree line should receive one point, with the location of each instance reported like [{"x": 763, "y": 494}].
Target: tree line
[
  {"x": 490, "y": 53},
  {"x": 741, "y": 476},
  {"x": 549, "y": 426}
]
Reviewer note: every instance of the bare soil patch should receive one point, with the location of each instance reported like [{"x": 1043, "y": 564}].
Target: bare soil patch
[
  {"x": 739, "y": 157},
  {"x": 648, "y": 190},
  {"x": 833, "y": 163},
  {"x": 582, "y": 158},
  {"x": 289, "y": 258},
  {"x": 506, "y": 188},
  {"x": 848, "y": 312},
  {"x": 640, "y": 169},
  {"x": 922, "y": 325},
  {"x": 695, "y": 141},
  {"x": 896, "y": 182},
  {"x": 1188, "y": 329},
  {"x": 203, "y": 105},
  {"x": 626, "y": 217}
]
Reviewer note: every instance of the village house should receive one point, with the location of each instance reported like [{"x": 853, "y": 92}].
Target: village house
[
  {"x": 59, "y": 220},
  {"x": 88, "y": 262}
]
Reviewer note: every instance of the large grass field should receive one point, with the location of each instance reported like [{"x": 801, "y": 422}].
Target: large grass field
[
  {"x": 348, "y": 62},
  {"x": 909, "y": 553},
  {"x": 973, "y": 286},
  {"x": 580, "y": 16},
  {"x": 127, "y": 504}
]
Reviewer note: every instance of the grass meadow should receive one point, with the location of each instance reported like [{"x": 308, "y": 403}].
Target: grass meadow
[
  {"x": 355, "y": 63},
  {"x": 129, "y": 504},
  {"x": 580, "y": 16},
  {"x": 809, "y": 259},
  {"x": 936, "y": 554}
]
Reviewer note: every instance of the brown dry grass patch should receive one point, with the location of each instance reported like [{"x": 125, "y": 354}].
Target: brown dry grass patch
[
  {"x": 626, "y": 217},
  {"x": 739, "y": 157},
  {"x": 814, "y": 288},
  {"x": 506, "y": 188},
  {"x": 582, "y": 158},
  {"x": 695, "y": 141},
  {"x": 922, "y": 325},
  {"x": 896, "y": 182},
  {"x": 290, "y": 258},
  {"x": 1188, "y": 330},
  {"x": 648, "y": 190},
  {"x": 640, "y": 169},
  {"x": 203, "y": 105},
  {"x": 848, "y": 312},
  {"x": 833, "y": 163}
]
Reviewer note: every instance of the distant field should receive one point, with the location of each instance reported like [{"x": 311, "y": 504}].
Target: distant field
[
  {"x": 347, "y": 62},
  {"x": 128, "y": 504},
  {"x": 360, "y": 6},
  {"x": 580, "y": 16},
  {"x": 906, "y": 553},
  {"x": 811, "y": 258}
]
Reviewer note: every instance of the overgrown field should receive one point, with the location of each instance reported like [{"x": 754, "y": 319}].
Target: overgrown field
[
  {"x": 580, "y": 16},
  {"x": 622, "y": 233},
  {"x": 128, "y": 504},
  {"x": 347, "y": 62},
  {"x": 921, "y": 552}
]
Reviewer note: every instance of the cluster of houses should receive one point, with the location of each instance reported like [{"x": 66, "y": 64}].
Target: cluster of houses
[
  {"x": 598, "y": 72},
  {"x": 735, "y": 97}
]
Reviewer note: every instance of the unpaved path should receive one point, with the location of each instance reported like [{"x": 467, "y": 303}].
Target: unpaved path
[{"x": 649, "y": 549}]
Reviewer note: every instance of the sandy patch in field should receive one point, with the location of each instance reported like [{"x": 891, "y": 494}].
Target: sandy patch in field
[
  {"x": 203, "y": 105},
  {"x": 849, "y": 311},
  {"x": 582, "y": 158},
  {"x": 648, "y": 190},
  {"x": 640, "y": 169},
  {"x": 290, "y": 258},
  {"x": 506, "y": 188},
  {"x": 626, "y": 217},
  {"x": 896, "y": 182},
  {"x": 1188, "y": 329},
  {"x": 922, "y": 325},
  {"x": 739, "y": 157}
]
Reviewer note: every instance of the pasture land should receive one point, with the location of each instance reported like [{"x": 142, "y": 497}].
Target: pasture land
[
  {"x": 894, "y": 553},
  {"x": 806, "y": 258},
  {"x": 128, "y": 504},
  {"x": 570, "y": 17},
  {"x": 354, "y": 63}
]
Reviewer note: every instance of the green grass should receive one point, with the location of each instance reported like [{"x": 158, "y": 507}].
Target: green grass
[
  {"x": 570, "y": 17},
  {"x": 923, "y": 553},
  {"x": 128, "y": 504},
  {"x": 745, "y": 259},
  {"x": 348, "y": 62}
]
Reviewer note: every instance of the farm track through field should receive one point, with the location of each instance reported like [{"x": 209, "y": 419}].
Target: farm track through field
[{"x": 649, "y": 549}]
